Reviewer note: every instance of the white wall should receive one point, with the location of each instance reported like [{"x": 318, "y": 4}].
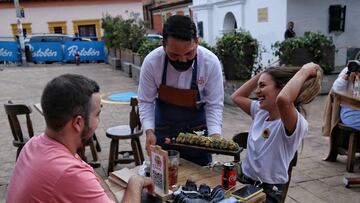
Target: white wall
[
  {"x": 212, "y": 14},
  {"x": 267, "y": 33},
  {"x": 310, "y": 15},
  {"x": 245, "y": 12},
  {"x": 39, "y": 16}
]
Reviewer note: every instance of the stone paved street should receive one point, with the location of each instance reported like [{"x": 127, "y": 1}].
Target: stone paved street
[{"x": 313, "y": 180}]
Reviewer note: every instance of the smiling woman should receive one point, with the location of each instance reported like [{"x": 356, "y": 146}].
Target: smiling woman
[{"x": 277, "y": 127}]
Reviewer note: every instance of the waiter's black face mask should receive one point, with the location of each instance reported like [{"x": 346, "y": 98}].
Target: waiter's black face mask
[{"x": 181, "y": 66}]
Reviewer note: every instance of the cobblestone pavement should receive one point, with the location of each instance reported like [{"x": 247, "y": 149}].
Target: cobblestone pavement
[{"x": 313, "y": 180}]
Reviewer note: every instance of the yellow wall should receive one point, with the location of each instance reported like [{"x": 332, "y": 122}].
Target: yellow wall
[
  {"x": 96, "y": 22},
  {"x": 26, "y": 26},
  {"x": 61, "y": 24}
]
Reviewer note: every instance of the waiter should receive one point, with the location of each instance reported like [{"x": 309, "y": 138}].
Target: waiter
[{"x": 181, "y": 89}]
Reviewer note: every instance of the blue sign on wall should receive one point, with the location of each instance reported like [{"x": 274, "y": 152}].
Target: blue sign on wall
[
  {"x": 46, "y": 51},
  {"x": 91, "y": 51},
  {"x": 9, "y": 51}
]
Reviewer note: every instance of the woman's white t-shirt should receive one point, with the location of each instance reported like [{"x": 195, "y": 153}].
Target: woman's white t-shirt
[{"x": 269, "y": 148}]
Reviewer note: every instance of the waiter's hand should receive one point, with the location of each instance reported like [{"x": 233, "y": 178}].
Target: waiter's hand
[
  {"x": 150, "y": 139},
  {"x": 215, "y": 135}
]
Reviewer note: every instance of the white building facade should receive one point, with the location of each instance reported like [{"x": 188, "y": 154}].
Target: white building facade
[{"x": 267, "y": 21}]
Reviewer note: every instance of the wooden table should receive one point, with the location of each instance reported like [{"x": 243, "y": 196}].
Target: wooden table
[
  {"x": 189, "y": 170},
  {"x": 348, "y": 99}
]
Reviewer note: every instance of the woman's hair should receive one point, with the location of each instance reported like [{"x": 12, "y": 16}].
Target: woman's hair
[{"x": 309, "y": 90}]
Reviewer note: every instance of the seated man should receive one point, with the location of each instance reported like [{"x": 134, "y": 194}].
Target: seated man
[
  {"x": 345, "y": 82},
  {"x": 48, "y": 168}
]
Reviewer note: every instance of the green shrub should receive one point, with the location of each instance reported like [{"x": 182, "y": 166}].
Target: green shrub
[
  {"x": 208, "y": 46},
  {"x": 147, "y": 46},
  {"x": 238, "y": 49},
  {"x": 121, "y": 33},
  {"x": 315, "y": 43}
]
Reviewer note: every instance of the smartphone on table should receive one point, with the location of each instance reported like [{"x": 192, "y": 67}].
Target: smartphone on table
[{"x": 246, "y": 192}]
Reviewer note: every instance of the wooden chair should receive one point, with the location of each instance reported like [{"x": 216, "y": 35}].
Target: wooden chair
[
  {"x": 347, "y": 139},
  {"x": 242, "y": 138},
  {"x": 13, "y": 111},
  {"x": 93, "y": 144},
  {"x": 122, "y": 132}
]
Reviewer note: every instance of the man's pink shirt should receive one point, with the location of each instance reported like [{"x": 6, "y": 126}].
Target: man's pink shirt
[{"x": 46, "y": 171}]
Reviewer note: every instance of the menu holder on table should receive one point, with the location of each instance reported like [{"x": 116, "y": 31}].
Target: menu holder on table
[{"x": 159, "y": 171}]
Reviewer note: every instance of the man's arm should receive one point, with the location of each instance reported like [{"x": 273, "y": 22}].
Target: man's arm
[
  {"x": 105, "y": 187},
  {"x": 135, "y": 187},
  {"x": 214, "y": 98},
  {"x": 147, "y": 92},
  {"x": 341, "y": 82}
]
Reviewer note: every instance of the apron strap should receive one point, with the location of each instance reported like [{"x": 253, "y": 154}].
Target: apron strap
[{"x": 163, "y": 80}]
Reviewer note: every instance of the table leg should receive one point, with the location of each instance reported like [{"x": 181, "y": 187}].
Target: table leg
[
  {"x": 351, "y": 152},
  {"x": 137, "y": 151},
  {"x": 112, "y": 154}
]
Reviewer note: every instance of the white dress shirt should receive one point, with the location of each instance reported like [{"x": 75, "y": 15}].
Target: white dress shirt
[
  {"x": 341, "y": 84},
  {"x": 209, "y": 81}
]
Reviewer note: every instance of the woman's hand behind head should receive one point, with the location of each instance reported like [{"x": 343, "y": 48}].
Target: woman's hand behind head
[{"x": 311, "y": 68}]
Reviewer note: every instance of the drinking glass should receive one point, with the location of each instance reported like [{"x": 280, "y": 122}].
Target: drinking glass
[{"x": 173, "y": 167}]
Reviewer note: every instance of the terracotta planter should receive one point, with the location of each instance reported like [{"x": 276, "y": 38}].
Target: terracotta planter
[
  {"x": 118, "y": 53},
  {"x": 138, "y": 59},
  {"x": 127, "y": 55},
  {"x": 112, "y": 51}
]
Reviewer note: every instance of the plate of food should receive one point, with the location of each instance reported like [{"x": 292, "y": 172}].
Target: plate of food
[{"x": 216, "y": 145}]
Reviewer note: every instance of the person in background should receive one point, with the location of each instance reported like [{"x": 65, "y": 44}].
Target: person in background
[
  {"x": 181, "y": 89},
  {"x": 290, "y": 33},
  {"x": 277, "y": 126},
  {"x": 48, "y": 168},
  {"x": 346, "y": 82}
]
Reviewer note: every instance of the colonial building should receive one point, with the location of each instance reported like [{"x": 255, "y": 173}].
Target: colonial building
[
  {"x": 267, "y": 20},
  {"x": 80, "y": 17},
  {"x": 157, "y": 11}
]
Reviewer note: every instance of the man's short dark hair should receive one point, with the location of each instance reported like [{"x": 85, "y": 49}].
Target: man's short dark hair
[
  {"x": 179, "y": 27},
  {"x": 65, "y": 97}
]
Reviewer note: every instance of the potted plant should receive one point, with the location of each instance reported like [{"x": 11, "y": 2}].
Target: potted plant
[
  {"x": 208, "y": 46},
  {"x": 312, "y": 46},
  {"x": 147, "y": 46},
  {"x": 237, "y": 51},
  {"x": 109, "y": 24}
]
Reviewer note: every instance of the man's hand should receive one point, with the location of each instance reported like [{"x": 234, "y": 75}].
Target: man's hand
[
  {"x": 141, "y": 182},
  {"x": 150, "y": 140},
  {"x": 215, "y": 135},
  {"x": 135, "y": 187},
  {"x": 149, "y": 185}
]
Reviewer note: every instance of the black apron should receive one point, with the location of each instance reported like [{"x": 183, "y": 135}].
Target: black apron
[{"x": 178, "y": 110}]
